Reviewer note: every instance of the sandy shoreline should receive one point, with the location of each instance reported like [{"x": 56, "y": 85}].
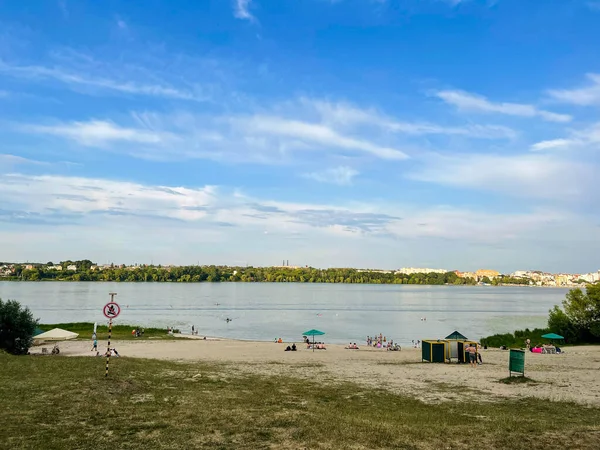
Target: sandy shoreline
[{"x": 572, "y": 376}]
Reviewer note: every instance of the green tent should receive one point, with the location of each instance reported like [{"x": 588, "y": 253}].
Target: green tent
[
  {"x": 313, "y": 333},
  {"x": 456, "y": 336},
  {"x": 552, "y": 336}
]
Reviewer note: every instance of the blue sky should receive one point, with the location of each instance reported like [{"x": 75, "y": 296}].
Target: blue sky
[{"x": 367, "y": 133}]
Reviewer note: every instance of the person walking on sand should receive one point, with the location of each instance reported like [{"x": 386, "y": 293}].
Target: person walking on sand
[
  {"x": 472, "y": 355},
  {"x": 94, "y": 345}
]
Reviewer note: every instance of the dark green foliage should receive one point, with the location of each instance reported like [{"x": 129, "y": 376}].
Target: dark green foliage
[
  {"x": 16, "y": 327},
  {"x": 187, "y": 274},
  {"x": 578, "y": 321}
]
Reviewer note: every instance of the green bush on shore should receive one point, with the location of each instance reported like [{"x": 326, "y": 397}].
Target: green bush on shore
[{"x": 578, "y": 321}]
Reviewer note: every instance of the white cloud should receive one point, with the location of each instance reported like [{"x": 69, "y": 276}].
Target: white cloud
[
  {"x": 241, "y": 9},
  {"x": 541, "y": 176},
  {"x": 347, "y": 115},
  {"x": 583, "y": 96},
  {"x": 341, "y": 175},
  {"x": 466, "y": 101},
  {"x": 8, "y": 162},
  {"x": 73, "y": 79},
  {"x": 121, "y": 24},
  {"x": 588, "y": 138},
  {"x": 45, "y": 217},
  {"x": 313, "y": 133},
  {"x": 98, "y": 132}
]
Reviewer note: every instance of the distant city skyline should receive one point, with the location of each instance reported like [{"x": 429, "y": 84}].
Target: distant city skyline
[
  {"x": 406, "y": 270},
  {"x": 353, "y": 133}
]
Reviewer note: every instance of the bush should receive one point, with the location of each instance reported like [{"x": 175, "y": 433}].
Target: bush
[
  {"x": 17, "y": 326},
  {"x": 578, "y": 321}
]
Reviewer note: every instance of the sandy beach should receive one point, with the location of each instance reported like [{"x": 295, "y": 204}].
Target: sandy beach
[{"x": 572, "y": 376}]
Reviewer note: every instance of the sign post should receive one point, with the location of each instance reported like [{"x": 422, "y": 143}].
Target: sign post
[{"x": 111, "y": 310}]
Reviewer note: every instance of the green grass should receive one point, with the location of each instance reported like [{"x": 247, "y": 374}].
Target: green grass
[
  {"x": 517, "y": 380},
  {"x": 65, "y": 402},
  {"x": 121, "y": 332}
]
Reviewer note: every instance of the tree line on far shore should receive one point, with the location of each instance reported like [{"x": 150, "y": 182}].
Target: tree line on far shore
[
  {"x": 578, "y": 321},
  {"x": 195, "y": 274}
]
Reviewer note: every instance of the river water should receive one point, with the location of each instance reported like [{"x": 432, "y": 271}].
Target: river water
[{"x": 265, "y": 311}]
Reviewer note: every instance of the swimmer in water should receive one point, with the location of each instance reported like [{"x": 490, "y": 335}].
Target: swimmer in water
[{"x": 228, "y": 320}]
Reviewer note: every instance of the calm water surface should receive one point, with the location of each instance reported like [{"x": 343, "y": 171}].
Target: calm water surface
[{"x": 265, "y": 311}]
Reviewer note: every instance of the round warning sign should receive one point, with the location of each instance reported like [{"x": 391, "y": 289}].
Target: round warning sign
[{"x": 111, "y": 310}]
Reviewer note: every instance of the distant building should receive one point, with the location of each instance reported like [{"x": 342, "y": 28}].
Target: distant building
[
  {"x": 72, "y": 267},
  {"x": 520, "y": 274},
  {"x": 491, "y": 274},
  {"x": 466, "y": 274},
  {"x": 29, "y": 267},
  {"x": 413, "y": 270}
]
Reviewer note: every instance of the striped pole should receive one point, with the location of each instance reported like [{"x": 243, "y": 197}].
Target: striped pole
[{"x": 108, "y": 352}]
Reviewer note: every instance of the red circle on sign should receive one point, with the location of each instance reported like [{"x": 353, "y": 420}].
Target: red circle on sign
[{"x": 111, "y": 310}]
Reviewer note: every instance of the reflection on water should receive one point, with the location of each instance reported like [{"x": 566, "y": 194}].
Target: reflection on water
[{"x": 265, "y": 311}]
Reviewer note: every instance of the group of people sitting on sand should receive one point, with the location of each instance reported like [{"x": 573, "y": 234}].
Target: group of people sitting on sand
[
  {"x": 542, "y": 348},
  {"x": 316, "y": 345},
  {"x": 545, "y": 348},
  {"x": 381, "y": 342},
  {"x": 290, "y": 349},
  {"x": 352, "y": 346}
]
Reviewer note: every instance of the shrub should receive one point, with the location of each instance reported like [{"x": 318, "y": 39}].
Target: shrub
[{"x": 17, "y": 326}]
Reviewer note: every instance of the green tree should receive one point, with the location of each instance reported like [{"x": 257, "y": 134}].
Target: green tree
[
  {"x": 583, "y": 309},
  {"x": 579, "y": 318},
  {"x": 17, "y": 326}
]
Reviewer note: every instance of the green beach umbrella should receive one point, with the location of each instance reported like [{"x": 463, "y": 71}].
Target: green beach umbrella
[
  {"x": 313, "y": 333},
  {"x": 552, "y": 336},
  {"x": 37, "y": 331}
]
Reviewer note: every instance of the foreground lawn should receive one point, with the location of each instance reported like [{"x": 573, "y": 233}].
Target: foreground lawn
[{"x": 66, "y": 403}]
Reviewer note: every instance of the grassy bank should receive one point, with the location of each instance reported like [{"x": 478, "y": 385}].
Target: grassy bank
[
  {"x": 516, "y": 339},
  {"x": 121, "y": 332},
  {"x": 62, "y": 402}
]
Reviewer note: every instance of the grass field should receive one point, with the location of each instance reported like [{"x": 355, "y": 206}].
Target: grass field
[
  {"x": 66, "y": 402},
  {"x": 85, "y": 329}
]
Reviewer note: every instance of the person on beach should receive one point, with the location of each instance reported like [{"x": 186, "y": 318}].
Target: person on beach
[
  {"x": 472, "y": 350},
  {"x": 94, "y": 345}
]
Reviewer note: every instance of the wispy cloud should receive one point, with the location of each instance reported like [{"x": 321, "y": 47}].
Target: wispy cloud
[
  {"x": 62, "y": 4},
  {"x": 9, "y": 162},
  {"x": 74, "y": 79},
  {"x": 313, "y": 133},
  {"x": 273, "y": 134},
  {"x": 92, "y": 198},
  {"x": 594, "y": 6},
  {"x": 342, "y": 175},
  {"x": 582, "y": 96},
  {"x": 98, "y": 132},
  {"x": 121, "y": 24},
  {"x": 466, "y": 101},
  {"x": 241, "y": 9},
  {"x": 91, "y": 217},
  {"x": 348, "y": 115},
  {"x": 586, "y": 138},
  {"x": 541, "y": 176}
]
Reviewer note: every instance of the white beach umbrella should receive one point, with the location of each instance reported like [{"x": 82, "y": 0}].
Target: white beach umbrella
[{"x": 56, "y": 334}]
